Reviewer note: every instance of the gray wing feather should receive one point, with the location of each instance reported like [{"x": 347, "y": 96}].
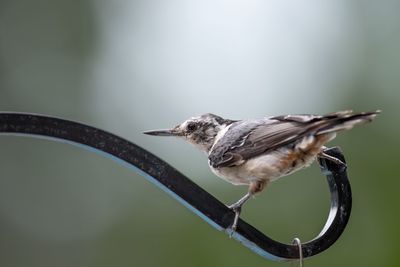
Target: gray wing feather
[
  {"x": 298, "y": 118},
  {"x": 307, "y": 118},
  {"x": 247, "y": 139},
  {"x": 251, "y": 138}
]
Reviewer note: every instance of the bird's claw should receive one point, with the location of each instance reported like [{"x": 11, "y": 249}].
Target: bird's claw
[
  {"x": 335, "y": 160},
  {"x": 237, "y": 209}
]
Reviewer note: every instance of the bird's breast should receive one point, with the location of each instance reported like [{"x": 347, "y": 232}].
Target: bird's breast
[{"x": 264, "y": 167}]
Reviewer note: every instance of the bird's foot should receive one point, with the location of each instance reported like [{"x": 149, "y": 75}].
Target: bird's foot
[
  {"x": 237, "y": 209},
  {"x": 335, "y": 160},
  {"x": 235, "y": 206}
]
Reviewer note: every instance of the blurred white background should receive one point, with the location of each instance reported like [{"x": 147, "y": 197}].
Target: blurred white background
[{"x": 130, "y": 66}]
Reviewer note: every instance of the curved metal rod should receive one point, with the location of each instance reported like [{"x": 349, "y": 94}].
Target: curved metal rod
[{"x": 183, "y": 189}]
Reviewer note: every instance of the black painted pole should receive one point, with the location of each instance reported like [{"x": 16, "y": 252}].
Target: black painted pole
[{"x": 184, "y": 190}]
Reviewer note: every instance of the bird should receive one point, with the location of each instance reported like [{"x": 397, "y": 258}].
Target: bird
[{"x": 257, "y": 152}]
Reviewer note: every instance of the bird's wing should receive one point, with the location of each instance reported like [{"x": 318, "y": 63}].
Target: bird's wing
[
  {"x": 247, "y": 139},
  {"x": 308, "y": 118}
]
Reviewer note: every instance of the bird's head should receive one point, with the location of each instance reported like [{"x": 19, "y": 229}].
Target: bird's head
[{"x": 200, "y": 131}]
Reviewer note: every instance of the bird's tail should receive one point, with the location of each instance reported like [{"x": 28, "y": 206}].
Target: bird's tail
[{"x": 345, "y": 120}]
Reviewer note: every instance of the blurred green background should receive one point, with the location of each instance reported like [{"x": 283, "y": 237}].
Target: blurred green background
[{"x": 152, "y": 64}]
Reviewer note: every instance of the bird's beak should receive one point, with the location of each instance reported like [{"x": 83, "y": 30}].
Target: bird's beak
[{"x": 166, "y": 132}]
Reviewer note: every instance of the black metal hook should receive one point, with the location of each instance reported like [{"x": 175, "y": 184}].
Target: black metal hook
[{"x": 184, "y": 190}]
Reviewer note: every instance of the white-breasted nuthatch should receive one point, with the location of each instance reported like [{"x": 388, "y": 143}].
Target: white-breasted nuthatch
[{"x": 257, "y": 152}]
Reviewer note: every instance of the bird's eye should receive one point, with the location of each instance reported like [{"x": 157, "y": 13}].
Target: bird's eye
[{"x": 191, "y": 126}]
